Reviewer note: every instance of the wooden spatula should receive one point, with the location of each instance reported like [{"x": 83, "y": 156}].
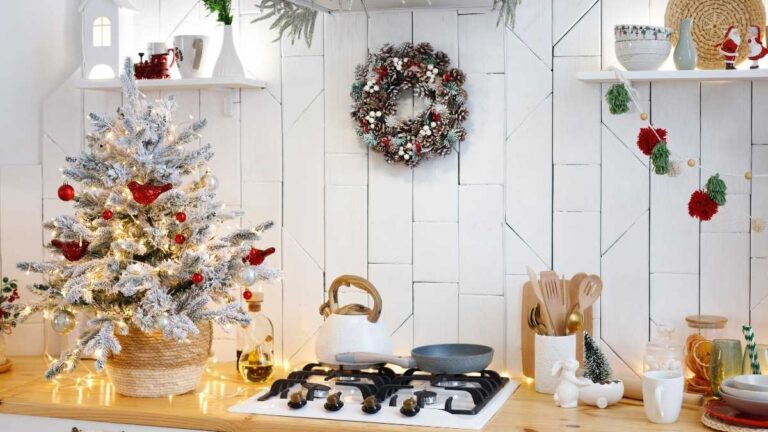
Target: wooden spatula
[{"x": 590, "y": 291}]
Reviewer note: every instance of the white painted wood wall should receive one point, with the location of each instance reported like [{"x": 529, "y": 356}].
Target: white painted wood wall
[{"x": 547, "y": 178}]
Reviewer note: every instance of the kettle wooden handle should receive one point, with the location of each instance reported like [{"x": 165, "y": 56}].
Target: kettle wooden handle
[{"x": 332, "y": 305}]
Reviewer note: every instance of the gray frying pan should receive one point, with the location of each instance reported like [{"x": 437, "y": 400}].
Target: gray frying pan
[{"x": 436, "y": 359}]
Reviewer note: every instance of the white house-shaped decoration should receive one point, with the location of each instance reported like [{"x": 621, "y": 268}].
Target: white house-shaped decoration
[{"x": 107, "y": 36}]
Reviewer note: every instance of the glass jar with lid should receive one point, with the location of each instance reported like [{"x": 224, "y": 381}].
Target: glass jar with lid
[
  {"x": 698, "y": 350},
  {"x": 255, "y": 351},
  {"x": 663, "y": 353}
]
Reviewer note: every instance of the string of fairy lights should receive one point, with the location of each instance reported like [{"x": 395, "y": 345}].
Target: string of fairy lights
[{"x": 757, "y": 223}]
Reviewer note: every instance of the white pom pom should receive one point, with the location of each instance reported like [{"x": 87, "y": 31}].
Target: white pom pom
[{"x": 674, "y": 169}]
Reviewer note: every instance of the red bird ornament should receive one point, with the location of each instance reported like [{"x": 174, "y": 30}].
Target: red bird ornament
[
  {"x": 257, "y": 256},
  {"x": 72, "y": 250},
  {"x": 148, "y": 193}
]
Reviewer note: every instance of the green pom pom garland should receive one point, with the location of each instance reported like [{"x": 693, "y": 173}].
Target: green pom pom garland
[{"x": 618, "y": 99}]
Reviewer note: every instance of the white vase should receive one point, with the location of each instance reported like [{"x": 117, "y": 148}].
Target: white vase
[
  {"x": 549, "y": 350},
  {"x": 228, "y": 65}
]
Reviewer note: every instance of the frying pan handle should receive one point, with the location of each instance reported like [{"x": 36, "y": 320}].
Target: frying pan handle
[
  {"x": 364, "y": 357},
  {"x": 332, "y": 305}
]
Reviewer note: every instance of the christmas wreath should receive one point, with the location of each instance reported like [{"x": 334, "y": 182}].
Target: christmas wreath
[{"x": 378, "y": 86}]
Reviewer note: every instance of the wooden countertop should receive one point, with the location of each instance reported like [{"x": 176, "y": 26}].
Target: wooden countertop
[{"x": 87, "y": 396}]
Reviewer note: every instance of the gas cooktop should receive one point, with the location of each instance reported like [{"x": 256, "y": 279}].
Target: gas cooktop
[{"x": 379, "y": 395}]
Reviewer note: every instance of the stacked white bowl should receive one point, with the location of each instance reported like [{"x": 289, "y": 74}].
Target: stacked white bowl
[
  {"x": 747, "y": 393},
  {"x": 642, "y": 47}
]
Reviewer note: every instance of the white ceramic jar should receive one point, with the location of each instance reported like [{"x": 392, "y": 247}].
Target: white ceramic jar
[{"x": 549, "y": 350}]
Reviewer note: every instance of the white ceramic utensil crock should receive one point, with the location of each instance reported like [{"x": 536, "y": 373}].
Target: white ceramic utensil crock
[{"x": 353, "y": 327}]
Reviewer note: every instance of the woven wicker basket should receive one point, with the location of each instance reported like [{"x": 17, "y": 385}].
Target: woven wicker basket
[
  {"x": 710, "y": 20},
  {"x": 151, "y": 366}
]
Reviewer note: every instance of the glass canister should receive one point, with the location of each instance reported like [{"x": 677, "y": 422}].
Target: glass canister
[
  {"x": 762, "y": 359},
  {"x": 725, "y": 362},
  {"x": 698, "y": 350},
  {"x": 255, "y": 351},
  {"x": 663, "y": 353}
]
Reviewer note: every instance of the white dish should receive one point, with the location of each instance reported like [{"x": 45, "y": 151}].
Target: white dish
[
  {"x": 758, "y": 383},
  {"x": 750, "y": 395},
  {"x": 757, "y": 409},
  {"x": 642, "y": 54}
]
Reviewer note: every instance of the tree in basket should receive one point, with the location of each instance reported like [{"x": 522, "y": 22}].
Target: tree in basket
[
  {"x": 141, "y": 255},
  {"x": 603, "y": 391}
]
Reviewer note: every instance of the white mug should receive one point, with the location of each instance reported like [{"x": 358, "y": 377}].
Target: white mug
[
  {"x": 663, "y": 395},
  {"x": 191, "y": 51}
]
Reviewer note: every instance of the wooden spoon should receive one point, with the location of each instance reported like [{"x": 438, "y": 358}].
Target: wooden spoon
[{"x": 589, "y": 291}]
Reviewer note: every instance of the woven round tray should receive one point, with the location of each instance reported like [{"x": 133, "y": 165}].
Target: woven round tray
[
  {"x": 150, "y": 366},
  {"x": 710, "y": 20},
  {"x": 720, "y": 425}
]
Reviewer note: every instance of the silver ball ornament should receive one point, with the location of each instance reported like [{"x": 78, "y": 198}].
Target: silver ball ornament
[
  {"x": 247, "y": 276},
  {"x": 209, "y": 181},
  {"x": 63, "y": 321},
  {"x": 161, "y": 322}
]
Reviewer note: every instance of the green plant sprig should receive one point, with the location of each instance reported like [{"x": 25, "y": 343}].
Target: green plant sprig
[{"x": 222, "y": 9}]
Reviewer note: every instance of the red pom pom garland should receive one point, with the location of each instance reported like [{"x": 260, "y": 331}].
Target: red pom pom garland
[
  {"x": 647, "y": 139},
  {"x": 701, "y": 206}
]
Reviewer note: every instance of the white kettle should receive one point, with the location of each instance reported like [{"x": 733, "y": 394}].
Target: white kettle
[{"x": 353, "y": 327}]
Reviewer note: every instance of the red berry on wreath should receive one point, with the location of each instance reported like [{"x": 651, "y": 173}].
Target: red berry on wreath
[
  {"x": 66, "y": 192},
  {"x": 181, "y": 217},
  {"x": 197, "y": 278},
  {"x": 247, "y": 295},
  {"x": 647, "y": 139},
  {"x": 179, "y": 239},
  {"x": 446, "y": 77},
  {"x": 701, "y": 206},
  {"x": 107, "y": 214},
  {"x": 436, "y": 117}
]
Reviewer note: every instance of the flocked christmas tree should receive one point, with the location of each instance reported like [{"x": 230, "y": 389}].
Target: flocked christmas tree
[
  {"x": 596, "y": 366},
  {"x": 142, "y": 249}
]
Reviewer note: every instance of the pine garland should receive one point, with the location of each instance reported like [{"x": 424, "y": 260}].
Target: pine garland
[
  {"x": 507, "y": 12},
  {"x": 290, "y": 18},
  {"x": 596, "y": 366},
  {"x": 618, "y": 99}
]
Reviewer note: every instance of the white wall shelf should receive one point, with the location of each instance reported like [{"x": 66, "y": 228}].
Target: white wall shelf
[
  {"x": 182, "y": 83},
  {"x": 675, "y": 75}
]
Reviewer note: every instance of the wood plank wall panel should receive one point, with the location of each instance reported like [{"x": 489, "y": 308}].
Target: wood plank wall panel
[{"x": 545, "y": 183}]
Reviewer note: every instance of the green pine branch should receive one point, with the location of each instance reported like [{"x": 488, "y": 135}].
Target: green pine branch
[{"x": 222, "y": 9}]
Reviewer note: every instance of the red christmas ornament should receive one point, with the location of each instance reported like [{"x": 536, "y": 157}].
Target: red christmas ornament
[
  {"x": 701, "y": 206},
  {"x": 446, "y": 77},
  {"x": 647, "y": 140},
  {"x": 107, "y": 214},
  {"x": 72, "y": 250},
  {"x": 247, "y": 295},
  {"x": 436, "y": 117},
  {"x": 197, "y": 278},
  {"x": 257, "y": 256},
  {"x": 66, "y": 192},
  {"x": 179, "y": 239},
  {"x": 181, "y": 217},
  {"x": 147, "y": 194}
]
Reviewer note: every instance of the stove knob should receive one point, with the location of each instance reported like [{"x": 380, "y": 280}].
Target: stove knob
[
  {"x": 410, "y": 407},
  {"x": 297, "y": 400},
  {"x": 371, "y": 405},
  {"x": 334, "y": 402}
]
